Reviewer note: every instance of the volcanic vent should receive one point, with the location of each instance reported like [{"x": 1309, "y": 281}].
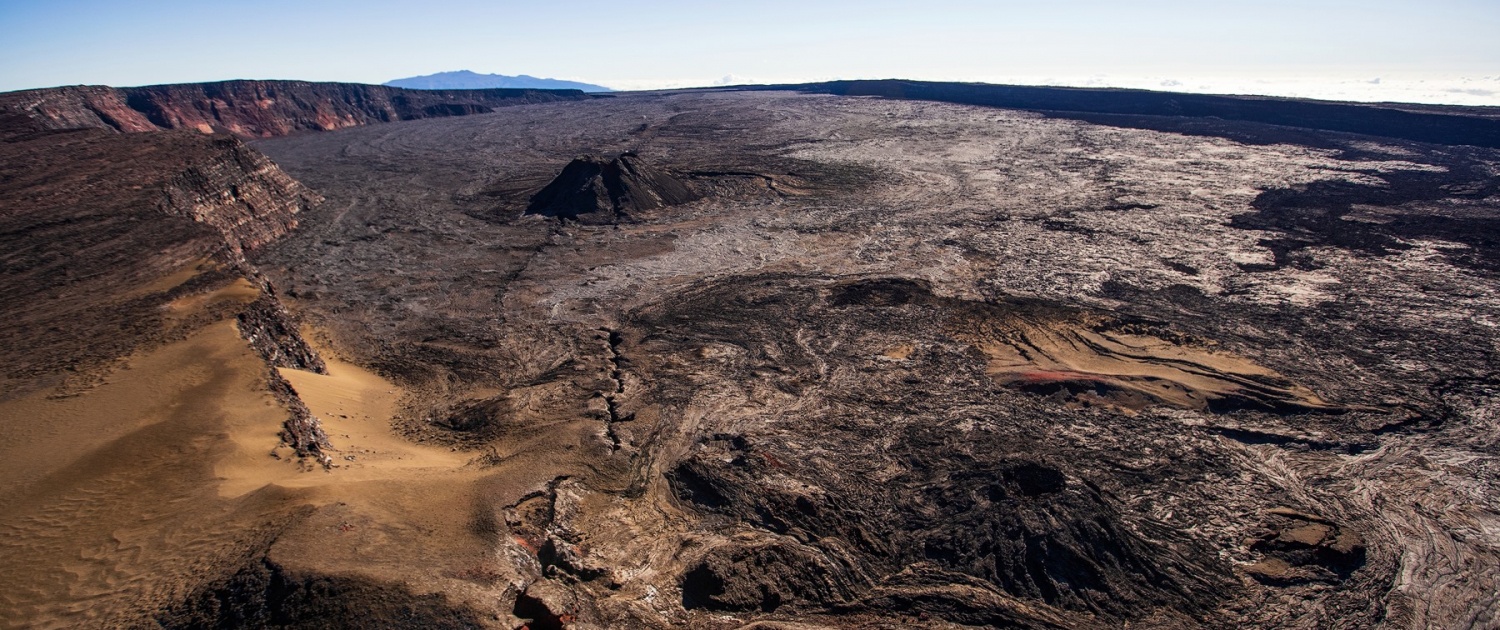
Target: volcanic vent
[{"x": 593, "y": 188}]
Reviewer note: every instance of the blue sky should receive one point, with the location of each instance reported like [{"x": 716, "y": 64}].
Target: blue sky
[{"x": 1173, "y": 44}]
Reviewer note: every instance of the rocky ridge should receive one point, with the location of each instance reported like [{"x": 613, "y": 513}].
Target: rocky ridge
[
  {"x": 117, "y": 243},
  {"x": 251, "y": 109},
  {"x": 242, "y": 195},
  {"x": 1196, "y": 113}
]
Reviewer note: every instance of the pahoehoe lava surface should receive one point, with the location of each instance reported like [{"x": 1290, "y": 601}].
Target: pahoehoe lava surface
[{"x": 791, "y": 360}]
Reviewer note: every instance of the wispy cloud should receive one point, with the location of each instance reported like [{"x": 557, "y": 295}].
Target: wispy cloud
[{"x": 1473, "y": 92}]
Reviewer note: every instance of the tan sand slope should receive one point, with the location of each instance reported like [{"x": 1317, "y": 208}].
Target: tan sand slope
[
  {"x": 355, "y": 407},
  {"x": 111, "y": 507},
  {"x": 126, "y": 497}
]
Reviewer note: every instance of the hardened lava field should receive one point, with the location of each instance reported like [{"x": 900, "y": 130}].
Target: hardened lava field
[{"x": 759, "y": 359}]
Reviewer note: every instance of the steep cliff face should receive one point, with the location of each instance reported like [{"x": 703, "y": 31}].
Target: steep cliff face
[
  {"x": 109, "y": 242},
  {"x": 256, "y": 109},
  {"x": 74, "y": 107},
  {"x": 239, "y": 193}
]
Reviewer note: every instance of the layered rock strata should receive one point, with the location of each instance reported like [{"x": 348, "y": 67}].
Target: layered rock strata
[{"x": 254, "y": 109}]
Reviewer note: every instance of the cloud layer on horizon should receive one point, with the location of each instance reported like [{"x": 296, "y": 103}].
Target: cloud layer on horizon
[{"x": 1481, "y": 91}]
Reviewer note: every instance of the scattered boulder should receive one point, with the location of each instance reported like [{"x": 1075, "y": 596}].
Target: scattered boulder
[{"x": 595, "y": 189}]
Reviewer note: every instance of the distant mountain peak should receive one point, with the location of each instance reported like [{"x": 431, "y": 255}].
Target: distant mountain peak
[{"x": 470, "y": 80}]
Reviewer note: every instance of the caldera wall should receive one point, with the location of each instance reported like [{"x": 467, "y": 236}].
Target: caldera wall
[{"x": 254, "y": 109}]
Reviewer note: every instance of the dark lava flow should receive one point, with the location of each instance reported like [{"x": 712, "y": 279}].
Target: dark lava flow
[{"x": 823, "y": 361}]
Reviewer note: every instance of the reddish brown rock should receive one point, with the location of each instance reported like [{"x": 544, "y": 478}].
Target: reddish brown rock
[
  {"x": 239, "y": 193},
  {"x": 256, "y": 109},
  {"x": 73, "y": 107}
]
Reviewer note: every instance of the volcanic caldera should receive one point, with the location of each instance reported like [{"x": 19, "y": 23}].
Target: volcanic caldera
[{"x": 849, "y": 355}]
